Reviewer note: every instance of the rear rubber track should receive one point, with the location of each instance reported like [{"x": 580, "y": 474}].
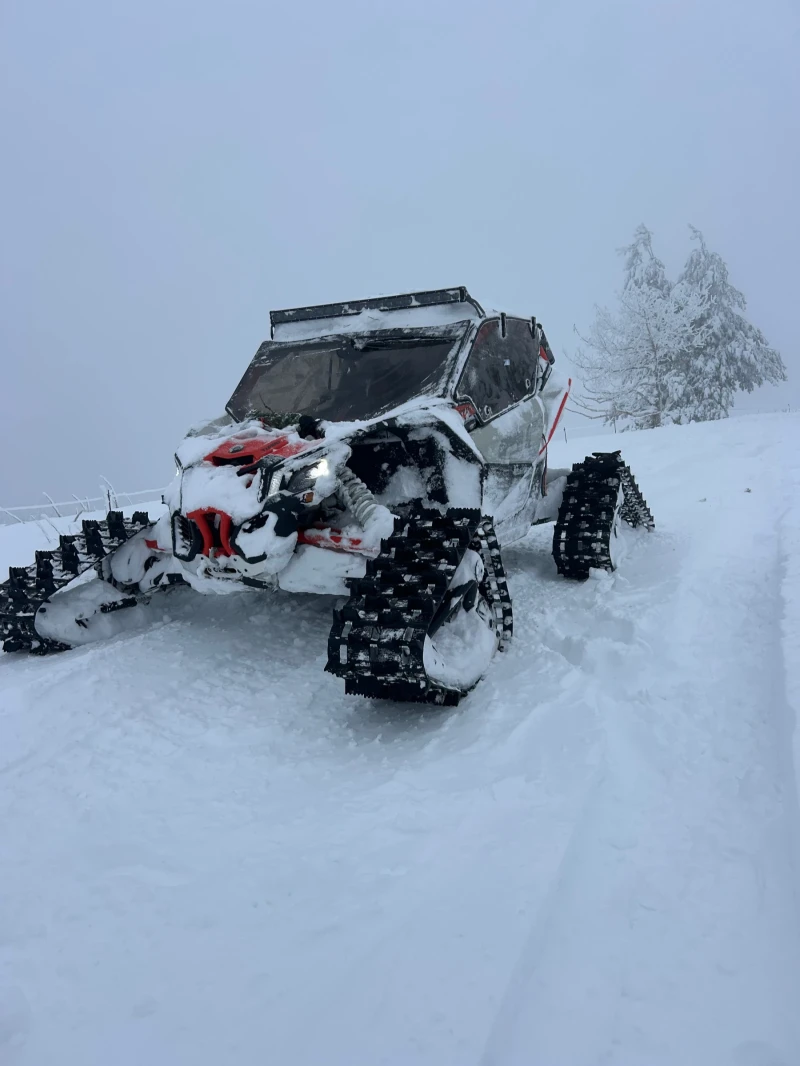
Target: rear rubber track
[
  {"x": 597, "y": 491},
  {"x": 377, "y": 640},
  {"x": 29, "y": 587}
]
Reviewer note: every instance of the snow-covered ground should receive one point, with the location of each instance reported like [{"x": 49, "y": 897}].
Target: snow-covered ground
[{"x": 209, "y": 855}]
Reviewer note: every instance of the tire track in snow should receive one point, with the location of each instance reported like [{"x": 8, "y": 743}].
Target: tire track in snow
[
  {"x": 671, "y": 932},
  {"x": 789, "y": 639}
]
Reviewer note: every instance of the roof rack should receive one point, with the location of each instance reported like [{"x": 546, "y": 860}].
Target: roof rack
[{"x": 428, "y": 298}]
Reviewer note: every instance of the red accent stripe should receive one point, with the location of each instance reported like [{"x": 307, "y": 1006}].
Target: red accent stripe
[
  {"x": 560, "y": 411},
  {"x": 333, "y": 540}
]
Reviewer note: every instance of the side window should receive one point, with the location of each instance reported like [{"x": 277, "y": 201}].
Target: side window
[
  {"x": 500, "y": 370},
  {"x": 484, "y": 379},
  {"x": 523, "y": 352}
]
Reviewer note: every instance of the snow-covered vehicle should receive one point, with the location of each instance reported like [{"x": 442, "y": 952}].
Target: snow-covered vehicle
[{"x": 380, "y": 450}]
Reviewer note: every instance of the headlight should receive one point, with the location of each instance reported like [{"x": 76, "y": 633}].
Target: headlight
[
  {"x": 311, "y": 483},
  {"x": 320, "y": 470}
]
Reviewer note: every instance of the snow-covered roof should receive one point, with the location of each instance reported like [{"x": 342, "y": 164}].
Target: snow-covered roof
[
  {"x": 433, "y": 307},
  {"x": 368, "y": 320}
]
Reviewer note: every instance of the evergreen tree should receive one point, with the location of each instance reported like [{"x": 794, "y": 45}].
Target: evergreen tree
[
  {"x": 643, "y": 269},
  {"x": 635, "y": 364},
  {"x": 727, "y": 353}
]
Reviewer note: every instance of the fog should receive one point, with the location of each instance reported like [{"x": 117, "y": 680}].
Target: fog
[{"x": 172, "y": 171}]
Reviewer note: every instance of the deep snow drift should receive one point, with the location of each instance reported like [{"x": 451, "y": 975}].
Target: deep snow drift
[{"x": 210, "y": 855}]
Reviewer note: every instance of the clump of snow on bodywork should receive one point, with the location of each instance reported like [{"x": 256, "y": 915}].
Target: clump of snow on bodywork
[
  {"x": 128, "y": 565},
  {"x": 263, "y": 540},
  {"x": 365, "y": 539},
  {"x": 378, "y": 527},
  {"x": 204, "y": 438},
  {"x": 219, "y": 487},
  {"x": 406, "y": 483},
  {"x": 74, "y": 616},
  {"x": 462, "y": 478},
  {"x": 463, "y": 482},
  {"x": 419, "y": 412},
  {"x": 320, "y": 570},
  {"x": 459, "y": 652}
]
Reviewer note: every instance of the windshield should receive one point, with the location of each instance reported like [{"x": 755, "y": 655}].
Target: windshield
[{"x": 346, "y": 377}]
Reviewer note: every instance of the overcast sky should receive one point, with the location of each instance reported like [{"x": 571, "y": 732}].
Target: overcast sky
[{"x": 174, "y": 170}]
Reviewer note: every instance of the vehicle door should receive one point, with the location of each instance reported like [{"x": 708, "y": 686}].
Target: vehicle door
[{"x": 500, "y": 380}]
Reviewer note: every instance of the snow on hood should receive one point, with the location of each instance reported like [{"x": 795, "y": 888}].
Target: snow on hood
[{"x": 198, "y": 444}]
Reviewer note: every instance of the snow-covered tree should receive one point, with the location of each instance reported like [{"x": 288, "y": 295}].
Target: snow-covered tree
[
  {"x": 635, "y": 359},
  {"x": 672, "y": 353},
  {"x": 728, "y": 353},
  {"x": 643, "y": 269}
]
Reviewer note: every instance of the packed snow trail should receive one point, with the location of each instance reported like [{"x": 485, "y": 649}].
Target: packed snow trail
[{"x": 210, "y": 855}]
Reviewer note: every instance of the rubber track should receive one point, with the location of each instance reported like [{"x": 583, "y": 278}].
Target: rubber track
[
  {"x": 494, "y": 586},
  {"x": 596, "y": 490},
  {"x": 28, "y": 587},
  {"x": 377, "y": 639}
]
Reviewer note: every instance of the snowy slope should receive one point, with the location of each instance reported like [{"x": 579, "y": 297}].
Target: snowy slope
[{"x": 209, "y": 855}]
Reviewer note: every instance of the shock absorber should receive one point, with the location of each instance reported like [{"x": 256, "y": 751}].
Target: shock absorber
[{"x": 356, "y": 496}]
